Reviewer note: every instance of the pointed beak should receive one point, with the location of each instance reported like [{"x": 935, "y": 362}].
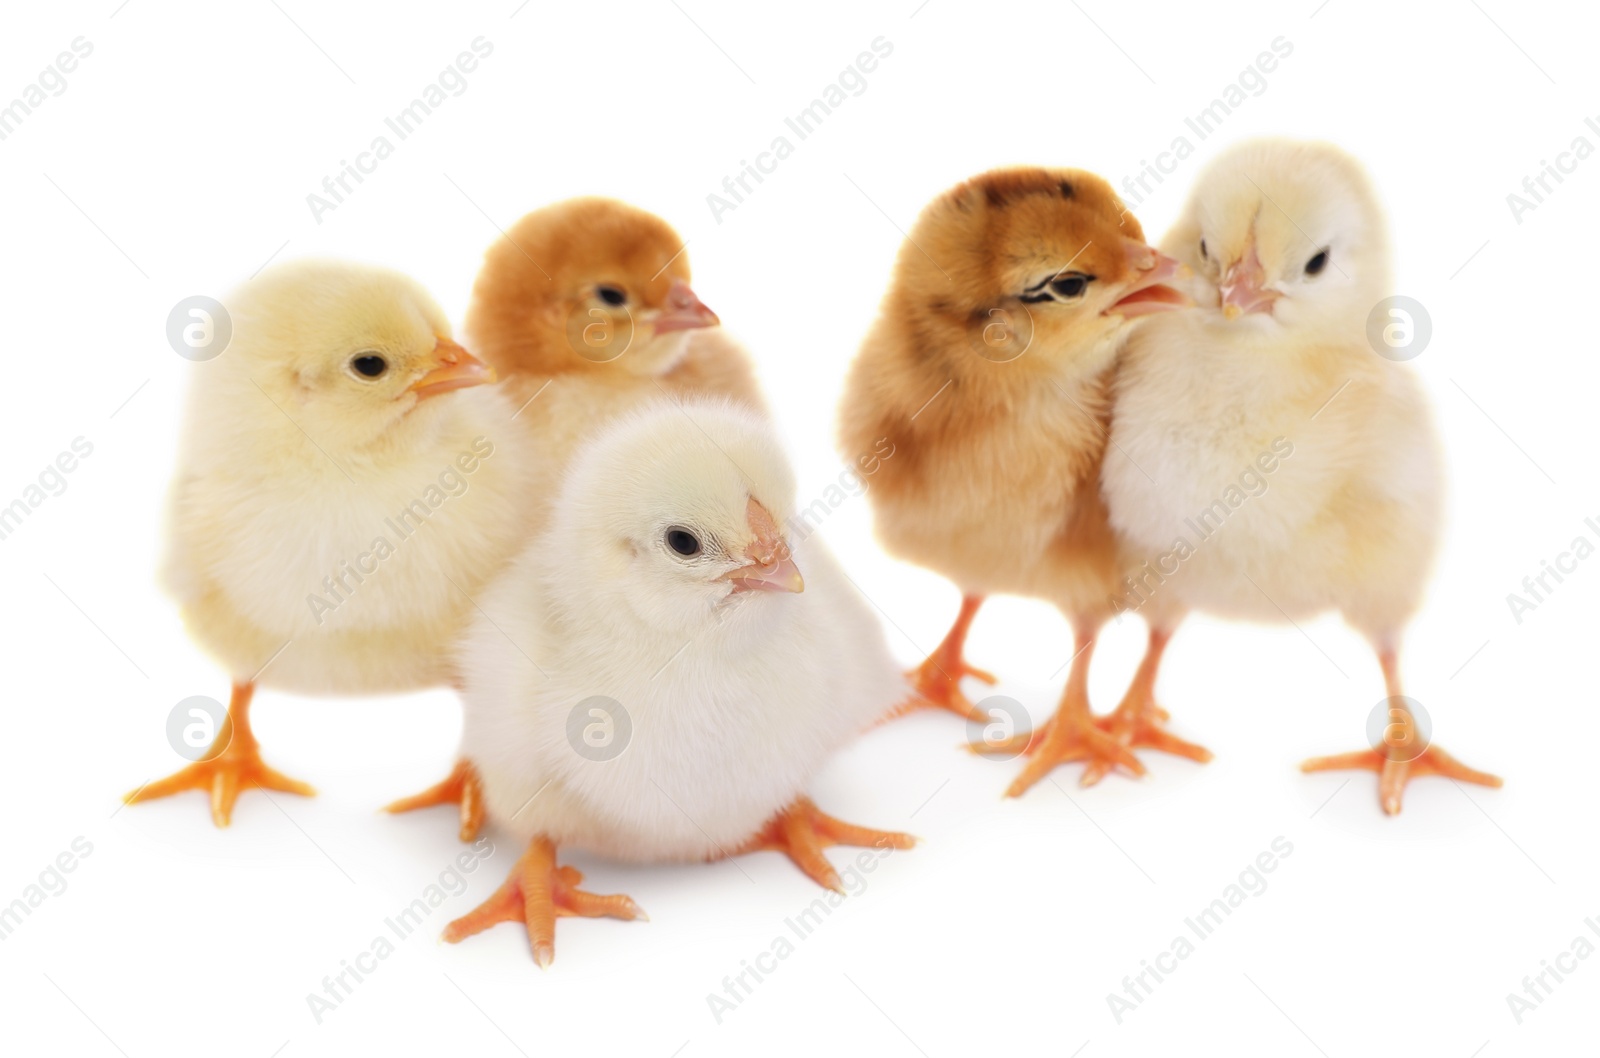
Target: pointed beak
[
  {"x": 771, "y": 567},
  {"x": 457, "y": 369},
  {"x": 683, "y": 311},
  {"x": 1149, "y": 292},
  {"x": 1244, "y": 287}
]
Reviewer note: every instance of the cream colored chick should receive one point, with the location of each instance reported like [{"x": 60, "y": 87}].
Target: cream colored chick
[
  {"x": 988, "y": 370},
  {"x": 338, "y": 502},
  {"x": 650, "y": 682},
  {"x": 1278, "y": 466}
]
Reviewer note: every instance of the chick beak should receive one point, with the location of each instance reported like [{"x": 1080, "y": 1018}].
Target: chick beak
[
  {"x": 457, "y": 369},
  {"x": 1244, "y": 287},
  {"x": 1149, "y": 293},
  {"x": 683, "y": 311},
  {"x": 771, "y": 568}
]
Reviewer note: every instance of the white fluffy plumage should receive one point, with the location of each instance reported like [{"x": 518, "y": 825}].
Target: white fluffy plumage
[
  {"x": 1308, "y": 460},
  {"x": 734, "y": 698},
  {"x": 293, "y": 467}
]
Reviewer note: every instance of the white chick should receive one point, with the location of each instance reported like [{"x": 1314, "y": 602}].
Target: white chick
[
  {"x": 1277, "y": 466},
  {"x": 648, "y": 680},
  {"x": 346, "y": 484}
]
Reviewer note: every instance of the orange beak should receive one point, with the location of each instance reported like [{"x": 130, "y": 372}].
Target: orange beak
[
  {"x": 684, "y": 311},
  {"x": 1243, "y": 287},
  {"x": 457, "y": 369},
  {"x": 1149, "y": 292},
  {"x": 771, "y": 568}
]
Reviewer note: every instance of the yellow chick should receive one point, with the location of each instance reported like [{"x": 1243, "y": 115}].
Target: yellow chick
[
  {"x": 1278, "y": 466},
  {"x": 346, "y": 485}
]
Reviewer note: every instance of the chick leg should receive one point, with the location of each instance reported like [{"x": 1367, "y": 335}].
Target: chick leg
[
  {"x": 238, "y": 762},
  {"x": 1398, "y": 761},
  {"x": 462, "y": 788},
  {"x": 536, "y": 894},
  {"x": 1137, "y": 721},
  {"x": 802, "y": 831},
  {"x": 1072, "y": 734},
  {"x": 936, "y": 683}
]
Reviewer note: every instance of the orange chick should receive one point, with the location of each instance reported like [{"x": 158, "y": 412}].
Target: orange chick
[
  {"x": 585, "y": 308},
  {"x": 989, "y": 367}
]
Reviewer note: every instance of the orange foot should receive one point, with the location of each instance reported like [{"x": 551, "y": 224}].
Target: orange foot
[
  {"x": 536, "y": 894},
  {"x": 936, "y": 684},
  {"x": 1071, "y": 735},
  {"x": 1141, "y": 726},
  {"x": 238, "y": 764},
  {"x": 803, "y": 830},
  {"x": 461, "y": 787},
  {"x": 1394, "y": 774}
]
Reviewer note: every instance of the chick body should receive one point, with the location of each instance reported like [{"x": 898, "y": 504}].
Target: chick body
[{"x": 733, "y": 700}]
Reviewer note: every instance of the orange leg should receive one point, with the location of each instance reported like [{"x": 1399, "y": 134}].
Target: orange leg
[
  {"x": 1137, "y": 721},
  {"x": 235, "y": 761},
  {"x": 936, "y": 683},
  {"x": 461, "y": 787},
  {"x": 1072, "y": 734},
  {"x": 536, "y": 894},
  {"x": 803, "y": 830},
  {"x": 1399, "y": 759}
]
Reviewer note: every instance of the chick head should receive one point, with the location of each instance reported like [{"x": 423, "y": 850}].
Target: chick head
[
  {"x": 590, "y": 283},
  {"x": 1038, "y": 261},
  {"x": 1290, "y": 234},
  {"x": 675, "y": 513},
  {"x": 354, "y": 354}
]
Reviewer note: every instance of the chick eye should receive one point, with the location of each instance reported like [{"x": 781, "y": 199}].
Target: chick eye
[
  {"x": 612, "y": 295},
  {"x": 369, "y": 365},
  {"x": 1071, "y": 286},
  {"x": 683, "y": 542},
  {"x": 1203, "y": 255},
  {"x": 1317, "y": 263}
]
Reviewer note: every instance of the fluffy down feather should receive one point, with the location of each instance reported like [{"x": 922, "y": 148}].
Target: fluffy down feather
[{"x": 734, "y": 699}]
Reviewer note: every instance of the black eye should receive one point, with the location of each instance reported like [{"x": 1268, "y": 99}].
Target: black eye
[
  {"x": 683, "y": 542},
  {"x": 1203, "y": 254},
  {"x": 369, "y": 365},
  {"x": 1317, "y": 263},
  {"x": 1070, "y": 286},
  {"x": 612, "y": 295}
]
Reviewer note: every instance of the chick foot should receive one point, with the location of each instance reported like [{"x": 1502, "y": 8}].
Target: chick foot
[
  {"x": 1139, "y": 724},
  {"x": 1069, "y": 736},
  {"x": 1393, "y": 775},
  {"x": 536, "y": 893},
  {"x": 802, "y": 831},
  {"x": 936, "y": 683},
  {"x": 462, "y": 788},
  {"x": 237, "y": 765}
]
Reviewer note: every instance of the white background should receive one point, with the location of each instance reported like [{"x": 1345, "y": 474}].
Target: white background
[{"x": 178, "y": 161}]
